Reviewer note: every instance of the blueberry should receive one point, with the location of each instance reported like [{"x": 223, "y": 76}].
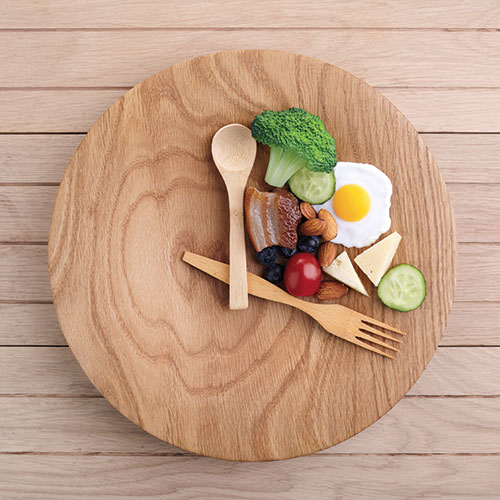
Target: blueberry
[
  {"x": 308, "y": 244},
  {"x": 287, "y": 252},
  {"x": 267, "y": 256},
  {"x": 274, "y": 273}
]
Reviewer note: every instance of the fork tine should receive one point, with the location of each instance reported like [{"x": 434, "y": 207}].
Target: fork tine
[
  {"x": 370, "y": 321},
  {"x": 376, "y": 341},
  {"x": 367, "y": 329},
  {"x": 371, "y": 348}
]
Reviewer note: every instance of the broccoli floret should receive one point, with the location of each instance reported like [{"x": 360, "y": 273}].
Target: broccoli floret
[{"x": 297, "y": 139}]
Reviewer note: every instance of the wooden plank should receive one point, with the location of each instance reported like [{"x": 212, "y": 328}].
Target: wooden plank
[
  {"x": 25, "y": 212},
  {"x": 470, "y": 324},
  {"x": 473, "y": 323},
  {"x": 449, "y": 110},
  {"x": 42, "y": 371},
  {"x": 24, "y": 274},
  {"x": 35, "y": 158},
  {"x": 460, "y": 371},
  {"x": 124, "y": 58},
  {"x": 458, "y": 155},
  {"x": 81, "y": 425},
  {"x": 54, "y": 371},
  {"x": 432, "y": 425},
  {"x": 239, "y": 13},
  {"x": 430, "y": 110},
  {"x": 190, "y": 478},
  {"x": 478, "y": 265},
  {"x": 52, "y": 110},
  {"x": 29, "y": 324},
  {"x": 477, "y": 211},
  {"x": 24, "y": 277},
  {"x": 43, "y": 158}
]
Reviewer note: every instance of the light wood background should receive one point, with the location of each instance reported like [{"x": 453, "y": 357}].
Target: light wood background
[{"x": 63, "y": 63}]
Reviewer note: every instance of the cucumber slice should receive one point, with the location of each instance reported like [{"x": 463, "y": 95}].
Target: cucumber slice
[
  {"x": 402, "y": 288},
  {"x": 313, "y": 187}
]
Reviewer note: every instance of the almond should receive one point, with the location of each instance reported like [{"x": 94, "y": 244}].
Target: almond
[
  {"x": 331, "y": 224},
  {"x": 313, "y": 227},
  {"x": 307, "y": 210},
  {"x": 331, "y": 290},
  {"x": 326, "y": 254}
]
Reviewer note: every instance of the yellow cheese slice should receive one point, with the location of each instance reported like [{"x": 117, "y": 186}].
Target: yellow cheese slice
[
  {"x": 342, "y": 270},
  {"x": 375, "y": 261}
]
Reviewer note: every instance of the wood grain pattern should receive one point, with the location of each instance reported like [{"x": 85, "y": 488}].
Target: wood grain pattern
[
  {"x": 44, "y": 158},
  {"x": 192, "y": 478},
  {"x": 430, "y": 110},
  {"x": 90, "y": 425},
  {"x": 239, "y": 13},
  {"x": 121, "y": 223},
  {"x": 123, "y": 58},
  {"x": 25, "y": 212},
  {"x": 44, "y": 371}
]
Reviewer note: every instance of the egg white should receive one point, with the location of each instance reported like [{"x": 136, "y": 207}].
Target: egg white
[{"x": 367, "y": 230}]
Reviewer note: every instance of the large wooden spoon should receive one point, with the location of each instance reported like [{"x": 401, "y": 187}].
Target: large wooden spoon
[{"x": 234, "y": 150}]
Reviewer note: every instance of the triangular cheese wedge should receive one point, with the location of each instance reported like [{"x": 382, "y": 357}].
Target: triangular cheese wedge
[
  {"x": 375, "y": 261},
  {"x": 342, "y": 270}
]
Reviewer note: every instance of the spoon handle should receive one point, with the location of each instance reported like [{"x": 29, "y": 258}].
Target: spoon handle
[{"x": 238, "y": 286}]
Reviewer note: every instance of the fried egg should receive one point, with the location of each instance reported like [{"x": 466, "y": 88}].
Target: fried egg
[{"x": 361, "y": 204}]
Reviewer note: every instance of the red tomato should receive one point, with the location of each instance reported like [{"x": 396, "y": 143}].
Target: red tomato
[{"x": 302, "y": 275}]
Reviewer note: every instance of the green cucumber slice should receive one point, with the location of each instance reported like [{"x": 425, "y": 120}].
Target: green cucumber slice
[
  {"x": 313, "y": 187},
  {"x": 402, "y": 288}
]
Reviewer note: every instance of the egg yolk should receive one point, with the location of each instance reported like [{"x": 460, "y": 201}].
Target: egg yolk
[{"x": 351, "y": 202}]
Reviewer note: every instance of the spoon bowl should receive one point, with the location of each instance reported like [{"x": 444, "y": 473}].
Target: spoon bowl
[{"x": 234, "y": 149}]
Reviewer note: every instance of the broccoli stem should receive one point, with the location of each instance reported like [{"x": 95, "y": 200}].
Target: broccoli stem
[{"x": 282, "y": 165}]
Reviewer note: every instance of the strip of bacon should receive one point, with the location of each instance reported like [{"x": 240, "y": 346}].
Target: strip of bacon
[{"x": 272, "y": 218}]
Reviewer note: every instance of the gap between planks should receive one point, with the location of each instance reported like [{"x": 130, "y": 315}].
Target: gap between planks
[
  {"x": 69, "y": 88},
  {"x": 247, "y": 28},
  {"x": 193, "y": 455}
]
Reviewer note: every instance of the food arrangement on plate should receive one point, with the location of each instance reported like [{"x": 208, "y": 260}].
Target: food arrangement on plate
[{"x": 298, "y": 233}]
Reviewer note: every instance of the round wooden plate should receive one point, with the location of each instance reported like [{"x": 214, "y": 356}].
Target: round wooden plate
[{"x": 156, "y": 337}]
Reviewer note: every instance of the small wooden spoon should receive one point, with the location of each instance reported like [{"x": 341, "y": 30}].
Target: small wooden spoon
[{"x": 234, "y": 150}]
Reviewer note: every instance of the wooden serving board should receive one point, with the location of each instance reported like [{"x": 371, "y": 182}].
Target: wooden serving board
[{"x": 156, "y": 337}]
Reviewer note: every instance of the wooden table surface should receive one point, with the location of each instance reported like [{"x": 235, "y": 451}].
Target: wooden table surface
[{"x": 63, "y": 63}]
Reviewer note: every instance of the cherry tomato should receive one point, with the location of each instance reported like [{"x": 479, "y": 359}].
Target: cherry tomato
[{"x": 302, "y": 275}]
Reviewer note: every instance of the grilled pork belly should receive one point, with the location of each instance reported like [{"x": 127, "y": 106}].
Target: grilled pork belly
[{"x": 272, "y": 218}]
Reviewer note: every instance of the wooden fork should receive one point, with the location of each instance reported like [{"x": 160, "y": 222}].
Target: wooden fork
[{"x": 334, "y": 318}]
